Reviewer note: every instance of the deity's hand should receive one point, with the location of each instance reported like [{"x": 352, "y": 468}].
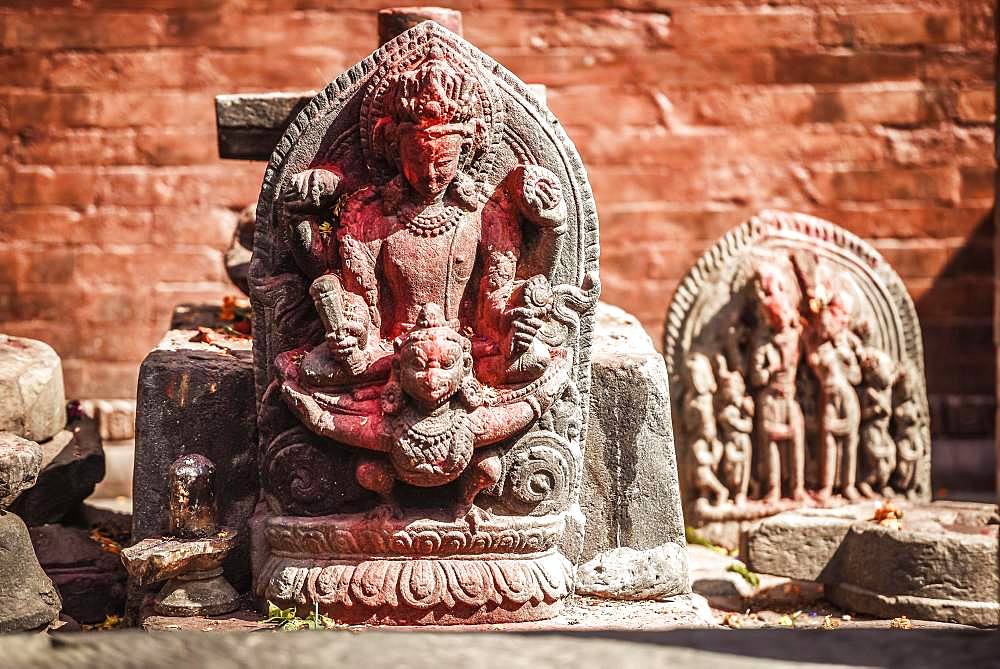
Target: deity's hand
[
  {"x": 537, "y": 298},
  {"x": 540, "y": 197},
  {"x": 347, "y": 344},
  {"x": 311, "y": 189}
]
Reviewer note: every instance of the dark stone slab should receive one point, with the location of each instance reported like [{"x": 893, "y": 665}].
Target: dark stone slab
[
  {"x": 28, "y": 599},
  {"x": 197, "y": 398},
  {"x": 250, "y": 125},
  {"x": 73, "y": 463},
  {"x": 90, "y": 578}
]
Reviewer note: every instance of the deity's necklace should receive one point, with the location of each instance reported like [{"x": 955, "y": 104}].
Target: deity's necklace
[
  {"x": 430, "y": 221},
  {"x": 445, "y": 442}
]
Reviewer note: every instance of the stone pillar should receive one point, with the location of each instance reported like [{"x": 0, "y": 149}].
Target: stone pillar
[{"x": 394, "y": 21}]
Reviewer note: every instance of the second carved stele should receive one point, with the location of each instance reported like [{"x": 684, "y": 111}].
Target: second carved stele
[{"x": 796, "y": 369}]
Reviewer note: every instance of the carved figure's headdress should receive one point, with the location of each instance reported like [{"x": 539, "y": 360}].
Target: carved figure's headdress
[
  {"x": 431, "y": 322},
  {"x": 439, "y": 87},
  {"x": 433, "y": 94}
]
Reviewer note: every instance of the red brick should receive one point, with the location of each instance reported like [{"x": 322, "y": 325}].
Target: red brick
[
  {"x": 974, "y": 146},
  {"x": 103, "y": 342},
  {"x": 885, "y": 102},
  {"x": 76, "y": 147},
  {"x": 47, "y": 266},
  {"x": 698, "y": 28},
  {"x": 48, "y": 30},
  {"x": 978, "y": 183},
  {"x": 905, "y": 220},
  {"x": 177, "y": 146},
  {"x": 745, "y": 105},
  {"x": 136, "y": 186},
  {"x": 160, "y": 68},
  {"x": 113, "y": 109},
  {"x": 958, "y": 67},
  {"x": 48, "y": 225},
  {"x": 695, "y": 226},
  {"x": 835, "y": 68},
  {"x": 608, "y": 28},
  {"x": 692, "y": 147},
  {"x": 144, "y": 265},
  {"x": 208, "y": 226},
  {"x": 937, "y": 184},
  {"x": 101, "y": 379},
  {"x": 27, "y": 70},
  {"x": 104, "y": 307},
  {"x": 977, "y": 105},
  {"x": 566, "y": 67},
  {"x": 945, "y": 299},
  {"x": 979, "y": 24},
  {"x": 923, "y": 259},
  {"x": 233, "y": 27},
  {"x": 297, "y": 68},
  {"x": 584, "y": 104},
  {"x": 891, "y": 27},
  {"x": 921, "y": 146}
]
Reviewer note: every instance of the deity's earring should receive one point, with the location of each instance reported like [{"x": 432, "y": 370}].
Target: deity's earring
[
  {"x": 464, "y": 190},
  {"x": 471, "y": 392}
]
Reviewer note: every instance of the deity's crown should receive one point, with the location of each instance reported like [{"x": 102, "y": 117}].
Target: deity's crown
[
  {"x": 435, "y": 92},
  {"x": 431, "y": 322}
]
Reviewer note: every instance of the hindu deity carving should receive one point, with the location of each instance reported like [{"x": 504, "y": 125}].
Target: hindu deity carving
[
  {"x": 774, "y": 359},
  {"x": 826, "y": 338},
  {"x": 424, "y": 277},
  {"x": 908, "y": 418},
  {"x": 699, "y": 420},
  {"x": 735, "y": 422}
]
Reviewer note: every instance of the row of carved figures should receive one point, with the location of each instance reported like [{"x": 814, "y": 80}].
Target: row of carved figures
[{"x": 847, "y": 421}]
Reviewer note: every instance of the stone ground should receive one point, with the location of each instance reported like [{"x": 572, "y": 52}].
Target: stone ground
[{"x": 700, "y": 649}]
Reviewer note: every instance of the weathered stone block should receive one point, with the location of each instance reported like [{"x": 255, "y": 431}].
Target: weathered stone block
[
  {"x": 72, "y": 465},
  {"x": 32, "y": 400},
  {"x": 799, "y": 544},
  {"x": 630, "y": 574},
  {"x": 941, "y": 564},
  {"x": 28, "y": 600},
  {"x": 630, "y": 493},
  {"x": 20, "y": 462},
  {"x": 197, "y": 398}
]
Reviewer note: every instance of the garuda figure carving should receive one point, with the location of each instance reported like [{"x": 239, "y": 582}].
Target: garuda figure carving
[
  {"x": 827, "y": 339},
  {"x": 424, "y": 276}
]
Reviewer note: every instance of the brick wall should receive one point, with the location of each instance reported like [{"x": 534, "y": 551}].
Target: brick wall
[{"x": 691, "y": 115}]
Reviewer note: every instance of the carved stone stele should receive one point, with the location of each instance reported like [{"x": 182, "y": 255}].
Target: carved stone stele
[
  {"x": 797, "y": 374},
  {"x": 423, "y": 283}
]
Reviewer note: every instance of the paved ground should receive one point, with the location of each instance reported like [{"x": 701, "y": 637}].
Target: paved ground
[{"x": 701, "y": 649}]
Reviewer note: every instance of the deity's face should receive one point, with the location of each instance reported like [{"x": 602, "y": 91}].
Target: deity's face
[
  {"x": 702, "y": 377},
  {"x": 429, "y": 158},
  {"x": 774, "y": 298},
  {"x": 431, "y": 369},
  {"x": 734, "y": 388}
]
